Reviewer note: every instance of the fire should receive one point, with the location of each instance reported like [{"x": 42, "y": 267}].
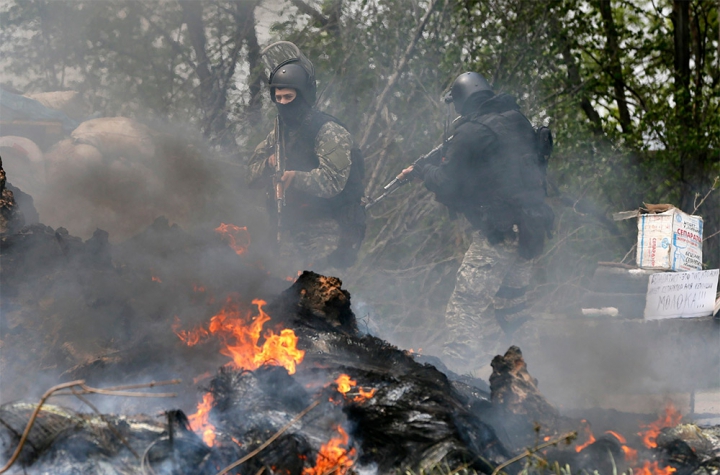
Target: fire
[
  {"x": 199, "y": 421},
  {"x": 198, "y": 288},
  {"x": 671, "y": 418},
  {"x": 280, "y": 350},
  {"x": 631, "y": 455},
  {"x": 189, "y": 337},
  {"x": 589, "y": 434},
  {"x": 652, "y": 468},
  {"x": 333, "y": 456},
  {"x": 156, "y": 279},
  {"x": 240, "y": 334},
  {"x": 363, "y": 395},
  {"x": 345, "y": 384},
  {"x": 237, "y": 237}
]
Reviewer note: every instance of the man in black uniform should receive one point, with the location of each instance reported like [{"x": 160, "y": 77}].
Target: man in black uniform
[
  {"x": 322, "y": 222},
  {"x": 489, "y": 173}
]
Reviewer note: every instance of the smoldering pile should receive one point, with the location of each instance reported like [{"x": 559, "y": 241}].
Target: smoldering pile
[
  {"x": 347, "y": 402},
  {"x": 352, "y": 403},
  {"x": 411, "y": 416}
]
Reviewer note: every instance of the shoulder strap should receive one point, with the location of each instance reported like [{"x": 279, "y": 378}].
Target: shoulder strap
[{"x": 316, "y": 121}]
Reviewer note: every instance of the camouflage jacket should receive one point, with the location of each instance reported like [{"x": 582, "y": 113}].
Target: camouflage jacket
[{"x": 333, "y": 145}]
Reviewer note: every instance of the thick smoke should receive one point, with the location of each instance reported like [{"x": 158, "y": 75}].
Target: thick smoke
[{"x": 102, "y": 312}]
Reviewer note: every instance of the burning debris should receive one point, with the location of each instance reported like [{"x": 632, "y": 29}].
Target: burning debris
[
  {"x": 410, "y": 415},
  {"x": 300, "y": 390},
  {"x": 378, "y": 407},
  {"x": 334, "y": 400},
  {"x": 518, "y": 405}
]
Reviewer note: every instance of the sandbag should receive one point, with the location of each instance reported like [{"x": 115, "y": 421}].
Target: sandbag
[
  {"x": 24, "y": 163},
  {"x": 70, "y": 102},
  {"x": 23, "y": 146},
  {"x": 68, "y": 152},
  {"x": 116, "y": 137}
]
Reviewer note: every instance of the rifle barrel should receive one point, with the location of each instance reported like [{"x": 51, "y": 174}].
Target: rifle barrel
[{"x": 397, "y": 182}]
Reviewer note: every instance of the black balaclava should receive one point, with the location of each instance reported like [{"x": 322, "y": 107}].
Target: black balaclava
[{"x": 293, "y": 112}]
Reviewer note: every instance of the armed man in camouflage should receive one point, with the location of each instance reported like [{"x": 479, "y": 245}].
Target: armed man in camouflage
[
  {"x": 489, "y": 173},
  {"x": 323, "y": 221}
]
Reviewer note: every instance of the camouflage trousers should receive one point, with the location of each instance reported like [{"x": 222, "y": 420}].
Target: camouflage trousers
[
  {"x": 487, "y": 304},
  {"x": 307, "y": 246}
]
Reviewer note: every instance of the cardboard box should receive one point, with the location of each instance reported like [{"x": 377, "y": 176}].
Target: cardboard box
[{"x": 670, "y": 241}]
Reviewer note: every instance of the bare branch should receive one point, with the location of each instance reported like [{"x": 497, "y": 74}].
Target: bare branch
[
  {"x": 380, "y": 101},
  {"x": 712, "y": 188}
]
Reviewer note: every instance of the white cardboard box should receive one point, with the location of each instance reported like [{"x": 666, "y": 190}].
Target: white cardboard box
[{"x": 670, "y": 241}]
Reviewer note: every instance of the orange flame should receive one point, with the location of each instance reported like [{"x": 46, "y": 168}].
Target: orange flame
[
  {"x": 199, "y": 421},
  {"x": 189, "y": 337},
  {"x": 279, "y": 350},
  {"x": 345, "y": 384},
  {"x": 631, "y": 455},
  {"x": 589, "y": 434},
  {"x": 619, "y": 437},
  {"x": 237, "y": 237},
  {"x": 333, "y": 456},
  {"x": 156, "y": 279},
  {"x": 240, "y": 335},
  {"x": 671, "y": 418},
  {"x": 652, "y": 468},
  {"x": 363, "y": 395},
  {"x": 198, "y": 288}
]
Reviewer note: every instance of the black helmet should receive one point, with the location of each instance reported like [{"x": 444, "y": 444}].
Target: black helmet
[
  {"x": 465, "y": 86},
  {"x": 288, "y": 67},
  {"x": 293, "y": 75}
]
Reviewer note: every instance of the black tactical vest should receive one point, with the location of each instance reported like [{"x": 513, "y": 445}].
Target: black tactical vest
[
  {"x": 301, "y": 156},
  {"x": 510, "y": 186},
  {"x": 510, "y": 167},
  {"x": 345, "y": 207}
]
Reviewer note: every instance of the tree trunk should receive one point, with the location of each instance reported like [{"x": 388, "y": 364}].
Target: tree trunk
[
  {"x": 681, "y": 31},
  {"x": 213, "y": 120},
  {"x": 255, "y": 79},
  {"x": 333, "y": 12},
  {"x": 50, "y": 72},
  {"x": 574, "y": 80},
  {"x": 681, "y": 53},
  {"x": 613, "y": 52}
]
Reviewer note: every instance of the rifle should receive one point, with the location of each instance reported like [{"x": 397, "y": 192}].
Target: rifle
[
  {"x": 434, "y": 155},
  {"x": 277, "y": 176}
]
